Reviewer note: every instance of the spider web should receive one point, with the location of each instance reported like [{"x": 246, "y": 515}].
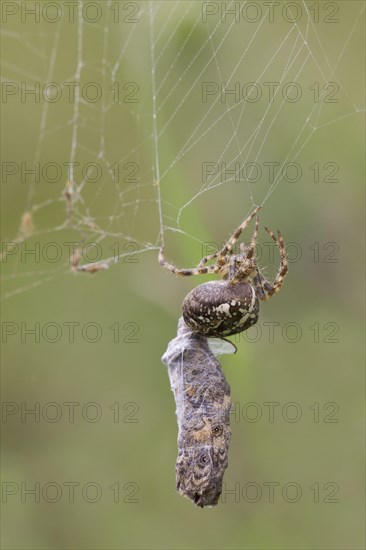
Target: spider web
[{"x": 196, "y": 115}]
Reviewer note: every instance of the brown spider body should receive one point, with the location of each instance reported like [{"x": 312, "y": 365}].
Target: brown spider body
[{"x": 220, "y": 308}]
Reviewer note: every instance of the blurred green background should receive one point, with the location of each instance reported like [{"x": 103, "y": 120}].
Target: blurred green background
[{"x": 119, "y": 449}]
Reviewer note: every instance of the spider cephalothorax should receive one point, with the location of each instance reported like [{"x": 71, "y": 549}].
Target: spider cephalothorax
[{"x": 222, "y": 308}]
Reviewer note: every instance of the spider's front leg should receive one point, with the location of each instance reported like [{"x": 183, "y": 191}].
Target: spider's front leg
[
  {"x": 199, "y": 270},
  {"x": 248, "y": 252},
  {"x": 221, "y": 258},
  {"x": 206, "y": 259}
]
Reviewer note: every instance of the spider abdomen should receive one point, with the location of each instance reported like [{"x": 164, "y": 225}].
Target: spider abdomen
[{"x": 220, "y": 308}]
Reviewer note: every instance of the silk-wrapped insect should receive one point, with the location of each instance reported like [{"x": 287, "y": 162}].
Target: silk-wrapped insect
[{"x": 203, "y": 405}]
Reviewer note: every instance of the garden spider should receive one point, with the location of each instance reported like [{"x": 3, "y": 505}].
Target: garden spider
[{"x": 222, "y": 308}]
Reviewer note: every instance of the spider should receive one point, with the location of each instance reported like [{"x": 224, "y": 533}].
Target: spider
[{"x": 230, "y": 306}]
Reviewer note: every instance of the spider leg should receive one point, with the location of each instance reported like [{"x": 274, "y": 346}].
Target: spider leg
[
  {"x": 185, "y": 272},
  {"x": 264, "y": 288},
  {"x": 235, "y": 236},
  {"x": 247, "y": 266},
  {"x": 283, "y": 269},
  {"x": 232, "y": 269},
  {"x": 206, "y": 259},
  {"x": 253, "y": 242}
]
